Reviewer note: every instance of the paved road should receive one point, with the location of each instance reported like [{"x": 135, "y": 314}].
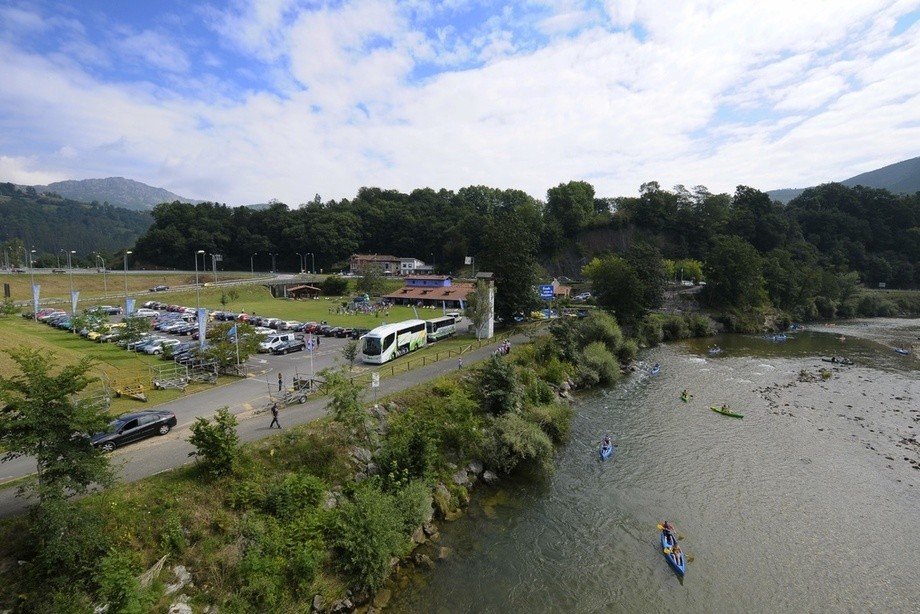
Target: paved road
[{"x": 246, "y": 400}]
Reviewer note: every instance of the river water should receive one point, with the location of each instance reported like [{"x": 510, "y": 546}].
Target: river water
[{"x": 807, "y": 504}]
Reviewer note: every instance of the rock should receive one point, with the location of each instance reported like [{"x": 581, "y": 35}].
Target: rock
[
  {"x": 181, "y": 606},
  {"x": 460, "y": 478},
  {"x": 425, "y": 561},
  {"x": 419, "y": 537},
  {"x": 317, "y": 604},
  {"x": 475, "y": 467},
  {"x": 183, "y": 579},
  {"x": 362, "y": 455},
  {"x": 443, "y": 553},
  {"x": 382, "y": 598},
  {"x": 372, "y": 469},
  {"x": 429, "y": 529},
  {"x": 489, "y": 477},
  {"x": 452, "y": 515},
  {"x": 343, "y": 605}
]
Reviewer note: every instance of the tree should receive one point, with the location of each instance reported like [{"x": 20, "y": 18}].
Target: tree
[
  {"x": 217, "y": 444},
  {"x": 370, "y": 280},
  {"x": 350, "y": 351},
  {"x": 571, "y": 204},
  {"x": 345, "y": 402},
  {"x": 478, "y": 308},
  {"x": 734, "y": 273},
  {"x": 42, "y": 417},
  {"x": 223, "y": 347},
  {"x": 616, "y": 286}
]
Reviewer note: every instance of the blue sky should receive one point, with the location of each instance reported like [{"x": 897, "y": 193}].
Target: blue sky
[{"x": 245, "y": 101}]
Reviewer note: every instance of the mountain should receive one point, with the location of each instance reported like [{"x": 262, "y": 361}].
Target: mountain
[
  {"x": 899, "y": 178},
  {"x": 117, "y": 191}
]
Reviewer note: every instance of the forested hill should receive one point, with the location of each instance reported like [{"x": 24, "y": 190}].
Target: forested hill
[
  {"x": 51, "y": 223},
  {"x": 116, "y": 191},
  {"x": 899, "y": 178}
]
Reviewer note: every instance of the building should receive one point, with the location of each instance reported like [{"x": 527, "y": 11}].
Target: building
[
  {"x": 438, "y": 291},
  {"x": 414, "y": 266},
  {"x": 388, "y": 265}
]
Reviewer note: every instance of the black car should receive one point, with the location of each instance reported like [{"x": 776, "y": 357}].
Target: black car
[
  {"x": 294, "y": 345},
  {"x": 357, "y": 332},
  {"x": 135, "y": 426},
  {"x": 159, "y": 288}
]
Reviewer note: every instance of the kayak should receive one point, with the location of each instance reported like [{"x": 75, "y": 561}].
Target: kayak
[
  {"x": 902, "y": 351},
  {"x": 677, "y": 561},
  {"x": 685, "y": 397},
  {"x": 605, "y": 451},
  {"x": 656, "y": 370},
  {"x": 714, "y": 350},
  {"x": 725, "y": 411}
]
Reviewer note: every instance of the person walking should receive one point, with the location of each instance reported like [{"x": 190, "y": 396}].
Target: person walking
[
  {"x": 280, "y": 382},
  {"x": 275, "y": 416},
  {"x": 459, "y": 362}
]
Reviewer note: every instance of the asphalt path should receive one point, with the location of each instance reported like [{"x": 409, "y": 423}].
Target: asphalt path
[{"x": 247, "y": 399}]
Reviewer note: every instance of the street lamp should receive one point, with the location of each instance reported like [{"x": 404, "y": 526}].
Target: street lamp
[
  {"x": 73, "y": 306},
  {"x": 197, "y": 290},
  {"x": 127, "y": 311},
  {"x": 252, "y": 270},
  {"x": 32, "y": 276},
  {"x": 300, "y": 256},
  {"x": 312, "y": 264},
  {"x": 105, "y": 284},
  {"x": 273, "y": 262}
]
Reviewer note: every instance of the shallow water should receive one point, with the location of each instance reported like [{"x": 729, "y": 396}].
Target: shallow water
[{"x": 801, "y": 506}]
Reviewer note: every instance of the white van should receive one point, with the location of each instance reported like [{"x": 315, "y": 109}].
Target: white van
[{"x": 273, "y": 341}]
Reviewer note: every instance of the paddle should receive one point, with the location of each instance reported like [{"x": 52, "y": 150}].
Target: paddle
[{"x": 661, "y": 528}]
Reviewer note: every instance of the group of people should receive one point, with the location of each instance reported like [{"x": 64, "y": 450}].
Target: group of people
[{"x": 504, "y": 349}]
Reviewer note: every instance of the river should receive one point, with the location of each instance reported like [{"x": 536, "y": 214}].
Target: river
[{"x": 807, "y": 504}]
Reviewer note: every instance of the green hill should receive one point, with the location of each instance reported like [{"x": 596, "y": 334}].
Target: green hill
[{"x": 899, "y": 178}]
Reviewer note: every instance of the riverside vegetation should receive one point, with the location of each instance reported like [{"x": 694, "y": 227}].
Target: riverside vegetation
[{"x": 316, "y": 516}]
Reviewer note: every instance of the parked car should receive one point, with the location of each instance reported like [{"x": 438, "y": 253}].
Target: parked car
[
  {"x": 294, "y": 345},
  {"x": 159, "y": 347},
  {"x": 343, "y": 332},
  {"x": 357, "y": 332},
  {"x": 159, "y": 288},
  {"x": 146, "y": 313},
  {"x": 135, "y": 426}
]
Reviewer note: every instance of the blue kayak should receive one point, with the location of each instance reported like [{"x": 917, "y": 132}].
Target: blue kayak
[
  {"x": 677, "y": 561},
  {"x": 656, "y": 370},
  {"x": 605, "y": 451}
]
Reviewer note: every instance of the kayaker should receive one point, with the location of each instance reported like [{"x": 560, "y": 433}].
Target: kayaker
[
  {"x": 668, "y": 528},
  {"x": 606, "y": 442},
  {"x": 685, "y": 394}
]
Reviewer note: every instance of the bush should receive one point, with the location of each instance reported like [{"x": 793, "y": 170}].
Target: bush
[
  {"x": 650, "y": 331},
  {"x": 555, "y": 371},
  {"x": 628, "y": 352},
  {"x": 598, "y": 366},
  {"x": 675, "y": 327},
  {"x": 295, "y": 492},
  {"x": 600, "y": 326},
  {"x": 700, "y": 326},
  {"x": 119, "y": 586},
  {"x": 517, "y": 440},
  {"x": 555, "y": 419},
  {"x": 367, "y": 531},
  {"x": 499, "y": 388},
  {"x": 414, "y": 503},
  {"x": 217, "y": 445},
  {"x": 334, "y": 285}
]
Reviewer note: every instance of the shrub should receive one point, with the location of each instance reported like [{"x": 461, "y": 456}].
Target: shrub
[
  {"x": 555, "y": 371},
  {"x": 217, "y": 445},
  {"x": 518, "y": 440},
  {"x": 650, "y": 331},
  {"x": 414, "y": 503},
  {"x": 367, "y": 531},
  {"x": 119, "y": 586},
  {"x": 334, "y": 285},
  {"x": 628, "y": 352},
  {"x": 295, "y": 492},
  {"x": 499, "y": 388},
  {"x": 600, "y": 326},
  {"x": 700, "y": 326},
  {"x": 675, "y": 327},
  {"x": 598, "y": 363},
  {"x": 555, "y": 419}
]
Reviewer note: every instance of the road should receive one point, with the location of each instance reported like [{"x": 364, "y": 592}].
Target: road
[{"x": 245, "y": 399}]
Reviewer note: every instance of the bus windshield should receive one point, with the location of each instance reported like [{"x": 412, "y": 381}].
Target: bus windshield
[{"x": 372, "y": 346}]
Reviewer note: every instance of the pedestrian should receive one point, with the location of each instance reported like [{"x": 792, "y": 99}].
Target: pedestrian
[
  {"x": 280, "y": 382},
  {"x": 460, "y": 362},
  {"x": 275, "y": 416},
  {"x": 507, "y": 346}
]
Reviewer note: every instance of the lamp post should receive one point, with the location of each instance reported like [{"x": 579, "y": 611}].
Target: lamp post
[
  {"x": 252, "y": 270},
  {"x": 73, "y": 306},
  {"x": 197, "y": 290},
  {"x": 312, "y": 264},
  {"x": 127, "y": 312},
  {"x": 32, "y": 277},
  {"x": 273, "y": 262},
  {"x": 105, "y": 284},
  {"x": 301, "y": 259}
]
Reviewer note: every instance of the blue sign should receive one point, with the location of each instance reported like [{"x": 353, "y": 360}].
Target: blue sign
[{"x": 546, "y": 291}]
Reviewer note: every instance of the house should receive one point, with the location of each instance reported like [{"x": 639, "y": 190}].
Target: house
[
  {"x": 304, "y": 291},
  {"x": 414, "y": 266},
  {"x": 439, "y": 291},
  {"x": 559, "y": 290},
  {"x": 388, "y": 265}
]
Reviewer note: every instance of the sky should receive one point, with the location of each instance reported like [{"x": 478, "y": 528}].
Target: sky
[{"x": 245, "y": 101}]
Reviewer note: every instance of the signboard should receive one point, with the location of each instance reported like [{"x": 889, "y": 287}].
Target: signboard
[
  {"x": 375, "y": 380},
  {"x": 546, "y": 291}
]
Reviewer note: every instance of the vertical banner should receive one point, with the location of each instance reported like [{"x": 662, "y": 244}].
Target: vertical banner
[
  {"x": 36, "y": 290},
  {"x": 129, "y": 306},
  {"x": 74, "y": 296},
  {"x": 202, "y": 316}
]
